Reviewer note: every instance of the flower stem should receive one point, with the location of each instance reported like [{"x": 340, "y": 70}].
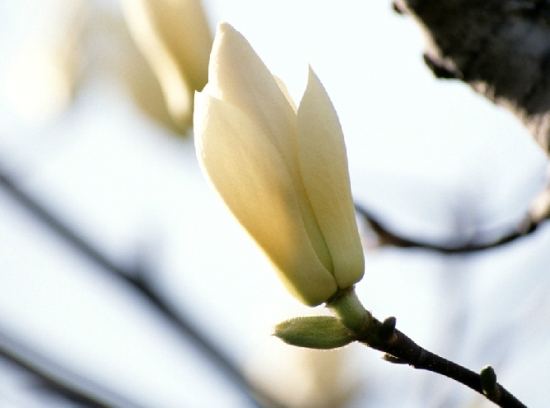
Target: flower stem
[
  {"x": 400, "y": 349},
  {"x": 349, "y": 309}
]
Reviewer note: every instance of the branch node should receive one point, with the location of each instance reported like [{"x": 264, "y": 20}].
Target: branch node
[
  {"x": 387, "y": 329},
  {"x": 394, "y": 360},
  {"x": 489, "y": 385}
]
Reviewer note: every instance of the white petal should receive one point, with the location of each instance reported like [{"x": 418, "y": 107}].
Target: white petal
[
  {"x": 180, "y": 28},
  {"x": 324, "y": 168},
  {"x": 285, "y": 92},
  {"x": 175, "y": 38},
  {"x": 238, "y": 76},
  {"x": 248, "y": 172}
]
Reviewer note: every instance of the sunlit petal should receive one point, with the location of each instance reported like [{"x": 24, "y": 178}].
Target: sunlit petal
[
  {"x": 238, "y": 76},
  {"x": 175, "y": 38},
  {"x": 285, "y": 92},
  {"x": 251, "y": 177},
  {"x": 324, "y": 169}
]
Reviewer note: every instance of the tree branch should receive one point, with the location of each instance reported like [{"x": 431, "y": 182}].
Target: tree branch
[
  {"x": 498, "y": 47},
  {"x": 59, "y": 379},
  {"x": 386, "y": 237},
  {"x": 501, "y": 49},
  {"x": 400, "y": 349},
  {"x": 137, "y": 281}
]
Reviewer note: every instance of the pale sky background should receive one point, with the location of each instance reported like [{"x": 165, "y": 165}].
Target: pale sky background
[{"x": 431, "y": 158}]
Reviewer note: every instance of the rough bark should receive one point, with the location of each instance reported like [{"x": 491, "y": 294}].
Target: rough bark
[{"x": 501, "y": 48}]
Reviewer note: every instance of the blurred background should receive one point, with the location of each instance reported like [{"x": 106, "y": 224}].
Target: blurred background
[{"x": 86, "y": 134}]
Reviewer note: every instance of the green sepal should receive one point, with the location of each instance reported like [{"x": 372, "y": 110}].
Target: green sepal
[{"x": 316, "y": 332}]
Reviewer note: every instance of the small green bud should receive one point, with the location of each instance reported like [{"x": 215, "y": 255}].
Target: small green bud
[{"x": 316, "y": 332}]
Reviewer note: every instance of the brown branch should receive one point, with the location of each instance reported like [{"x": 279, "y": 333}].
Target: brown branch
[
  {"x": 386, "y": 237},
  {"x": 498, "y": 47},
  {"x": 501, "y": 49},
  {"x": 400, "y": 349}
]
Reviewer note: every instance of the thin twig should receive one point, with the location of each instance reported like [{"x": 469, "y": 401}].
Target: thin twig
[
  {"x": 386, "y": 237},
  {"x": 136, "y": 281},
  {"x": 63, "y": 381},
  {"x": 400, "y": 349}
]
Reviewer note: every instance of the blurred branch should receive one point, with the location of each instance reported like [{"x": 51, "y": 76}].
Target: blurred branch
[
  {"x": 498, "y": 48},
  {"x": 400, "y": 349},
  {"x": 59, "y": 379},
  {"x": 386, "y": 237},
  {"x": 137, "y": 280}
]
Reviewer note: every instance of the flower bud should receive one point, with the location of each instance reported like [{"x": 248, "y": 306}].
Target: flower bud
[
  {"x": 175, "y": 38},
  {"x": 316, "y": 332},
  {"x": 281, "y": 171}
]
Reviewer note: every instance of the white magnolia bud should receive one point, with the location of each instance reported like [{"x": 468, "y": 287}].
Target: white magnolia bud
[
  {"x": 175, "y": 38},
  {"x": 281, "y": 171}
]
